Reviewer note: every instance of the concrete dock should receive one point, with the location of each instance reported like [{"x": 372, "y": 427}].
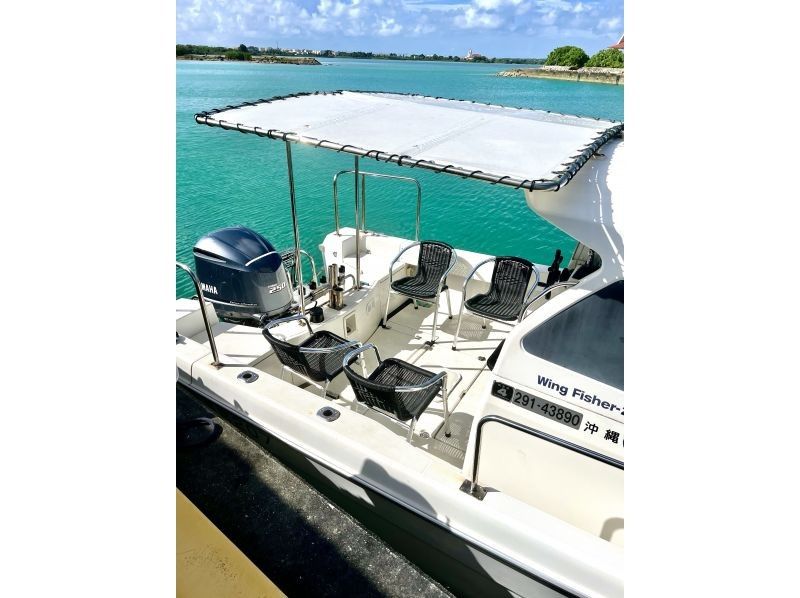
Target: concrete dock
[
  {"x": 209, "y": 565},
  {"x": 295, "y": 536}
]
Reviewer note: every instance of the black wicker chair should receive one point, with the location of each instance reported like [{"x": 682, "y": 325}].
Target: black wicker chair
[
  {"x": 506, "y": 297},
  {"x": 318, "y": 359},
  {"x": 397, "y": 388},
  {"x": 435, "y": 261}
]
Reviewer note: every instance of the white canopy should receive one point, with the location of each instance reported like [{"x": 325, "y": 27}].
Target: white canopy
[{"x": 530, "y": 149}]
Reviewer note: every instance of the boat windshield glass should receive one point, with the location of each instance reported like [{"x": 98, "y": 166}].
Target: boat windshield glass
[{"x": 587, "y": 337}]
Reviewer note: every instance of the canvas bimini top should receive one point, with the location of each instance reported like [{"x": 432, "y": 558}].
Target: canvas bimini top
[{"x": 518, "y": 147}]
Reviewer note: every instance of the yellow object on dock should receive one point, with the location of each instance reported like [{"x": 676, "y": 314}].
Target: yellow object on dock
[{"x": 209, "y": 564}]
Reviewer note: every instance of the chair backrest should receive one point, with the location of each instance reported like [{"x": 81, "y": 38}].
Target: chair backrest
[
  {"x": 434, "y": 259},
  {"x": 323, "y": 354},
  {"x": 288, "y": 354},
  {"x": 510, "y": 279},
  {"x": 319, "y": 358}
]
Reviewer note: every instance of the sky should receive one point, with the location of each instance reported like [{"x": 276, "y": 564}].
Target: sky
[{"x": 496, "y": 28}]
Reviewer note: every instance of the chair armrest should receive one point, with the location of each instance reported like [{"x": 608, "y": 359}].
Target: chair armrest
[
  {"x": 321, "y": 350},
  {"x": 350, "y": 357},
  {"x": 435, "y": 380},
  {"x": 471, "y": 274},
  {"x": 397, "y": 257},
  {"x": 273, "y": 323},
  {"x": 453, "y": 260}
]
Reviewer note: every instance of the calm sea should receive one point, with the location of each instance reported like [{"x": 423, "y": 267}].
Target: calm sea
[{"x": 225, "y": 179}]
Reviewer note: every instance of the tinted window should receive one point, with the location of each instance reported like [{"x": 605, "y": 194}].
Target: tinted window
[{"x": 586, "y": 337}]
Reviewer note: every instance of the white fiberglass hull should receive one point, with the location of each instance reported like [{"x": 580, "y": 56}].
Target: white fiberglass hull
[{"x": 463, "y": 566}]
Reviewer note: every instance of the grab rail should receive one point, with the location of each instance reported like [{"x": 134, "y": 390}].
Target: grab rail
[
  {"x": 313, "y": 265},
  {"x": 211, "y": 341},
  {"x": 363, "y": 174},
  {"x": 287, "y": 255},
  {"x": 472, "y": 488},
  {"x": 525, "y": 307}
]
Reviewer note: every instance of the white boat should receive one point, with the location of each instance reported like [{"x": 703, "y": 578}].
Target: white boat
[{"x": 510, "y": 479}]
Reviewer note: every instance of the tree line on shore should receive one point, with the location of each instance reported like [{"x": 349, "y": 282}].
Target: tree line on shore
[
  {"x": 575, "y": 58},
  {"x": 569, "y": 56},
  {"x": 247, "y": 52},
  {"x": 240, "y": 53}
]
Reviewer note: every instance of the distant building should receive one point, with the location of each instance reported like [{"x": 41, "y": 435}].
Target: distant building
[
  {"x": 472, "y": 55},
  {"x": 620, "y": 45}
]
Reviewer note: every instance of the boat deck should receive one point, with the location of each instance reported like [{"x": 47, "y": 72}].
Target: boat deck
[{"x": 467, "y": 374}]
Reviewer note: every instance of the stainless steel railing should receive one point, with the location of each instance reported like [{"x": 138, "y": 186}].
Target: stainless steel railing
[
  {"x": 361, "y": 219},
  {"x": 523, "y": 313},
  {"x": 313, "y": 265},
  {"x": 202, "y": 299},
  {"x": 287, "y": 255},
  {"x": 472, "y": 488}
]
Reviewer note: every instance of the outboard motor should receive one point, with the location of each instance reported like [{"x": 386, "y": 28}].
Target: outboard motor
[{"x": 242, "y": 275}]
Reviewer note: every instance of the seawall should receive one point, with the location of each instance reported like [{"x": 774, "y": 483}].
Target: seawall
[{"x": 590, "y": 74}]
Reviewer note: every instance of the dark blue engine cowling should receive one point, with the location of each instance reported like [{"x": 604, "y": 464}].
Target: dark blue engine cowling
[{"x": 241, "y": 274}]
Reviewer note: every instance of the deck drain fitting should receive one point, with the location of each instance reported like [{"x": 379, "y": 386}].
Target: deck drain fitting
[
  {"x": 329, "y": 414},
  {"x": 248, "y": 376}
]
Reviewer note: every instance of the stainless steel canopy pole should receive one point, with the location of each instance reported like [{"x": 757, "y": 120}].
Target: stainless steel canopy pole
[
  {"x": 364, "y": 202},
  {"x": 358, "y": 226},
  {"x": 298, "y": 265}
]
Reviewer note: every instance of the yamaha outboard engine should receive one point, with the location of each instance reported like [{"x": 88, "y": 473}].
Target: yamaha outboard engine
[{"x": 242, "y": 275}]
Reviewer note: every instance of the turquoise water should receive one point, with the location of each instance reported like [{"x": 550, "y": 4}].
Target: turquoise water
[{"x": 225, "y": 178}]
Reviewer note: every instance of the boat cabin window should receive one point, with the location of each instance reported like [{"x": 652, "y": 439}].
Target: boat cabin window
[{"x": 586, "y": 337}]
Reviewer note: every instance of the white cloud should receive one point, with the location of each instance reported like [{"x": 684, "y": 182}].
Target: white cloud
[
  {"x": 536, "y": 16},
  {"x": 389, "y": 27},
  {"x": 549, "y": 17},
  {"x": 425, "y": 6},
  {"x": 423, "y": 29},
  {"x": 612, "y": 24},
  {"x": 261, "y": 22},
  {"x": 477, "y": 19},
  {"x": 497, "y": 4},
  {"x": 548, "y": 5}
]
